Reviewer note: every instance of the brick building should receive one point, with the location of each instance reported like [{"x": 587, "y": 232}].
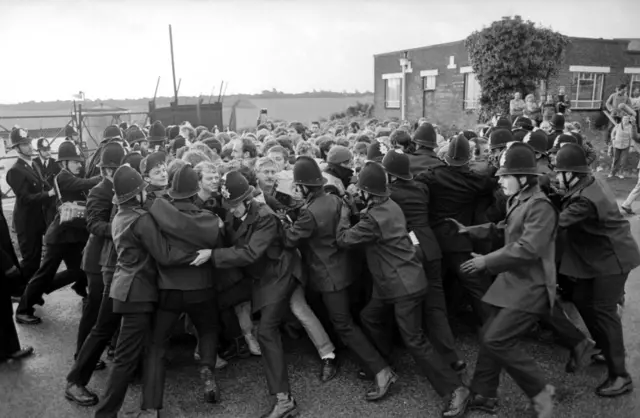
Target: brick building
[{"x": 441, "y": 86}]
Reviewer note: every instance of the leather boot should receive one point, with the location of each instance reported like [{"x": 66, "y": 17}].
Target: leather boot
[
  {"x": 457, "y": 403},
  {"x": 481, "y": 403},
  {"x": 580, "y": 356},
  {"x": 329, "y": 369},
  {"x": 543, "y": 402},
  {"x": 285, "y": 407},
  {"x": 382, "y": 383},
  {"x": 80, "y": 395},
  {"x": 211, "y": 390}
]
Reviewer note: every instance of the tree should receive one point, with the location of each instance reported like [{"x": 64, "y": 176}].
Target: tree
[{"x": 512, "y": 55}]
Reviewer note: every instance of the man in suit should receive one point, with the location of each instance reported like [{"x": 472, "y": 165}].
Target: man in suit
[
  {"x": 64, "y": 241},
  {"x": 256, "y": 245},
  {"x": 49, "y": 168},
  {"x": 32, "y": 196},
  {"x": 525, "y": 288}
]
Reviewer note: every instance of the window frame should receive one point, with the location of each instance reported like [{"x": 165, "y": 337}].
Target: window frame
[
  {"x": 429, "y": 79},
  {"x": 596, "y": 94},
  {"x": 470, "y": 104},
  {"x": 396, "y": 78}
]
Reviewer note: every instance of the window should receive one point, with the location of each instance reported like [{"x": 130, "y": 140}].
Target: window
[
  {"x": 634, "y": 84},
  {"x": 586, "y": 90},
  {"x": 428, "y": 79},
  {"x": 472, "y": 91},
  {"x": 392, "y": 93}
]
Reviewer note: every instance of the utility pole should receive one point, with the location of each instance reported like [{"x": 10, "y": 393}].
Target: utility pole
[{"x": 173, "y": 68}]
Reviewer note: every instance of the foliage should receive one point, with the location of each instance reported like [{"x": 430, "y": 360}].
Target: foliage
[
  {"x": 359, "y": 109},
  {"x": 513, "y": 55}
]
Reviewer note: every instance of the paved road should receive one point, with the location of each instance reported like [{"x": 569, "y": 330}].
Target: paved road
[{"x": 35, "y": 388}]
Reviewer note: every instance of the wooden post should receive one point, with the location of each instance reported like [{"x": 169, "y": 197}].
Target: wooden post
[{"x": 173, "y": 68}]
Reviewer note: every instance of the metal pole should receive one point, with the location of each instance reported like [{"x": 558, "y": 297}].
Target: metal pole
[
  {"x": 404, "y": 95},
  {"x": 173, "y": 67},
  {"x": 82, "y": 147}
]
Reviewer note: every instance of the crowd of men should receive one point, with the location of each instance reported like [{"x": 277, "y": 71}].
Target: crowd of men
[{"x": 389, "y": 228}]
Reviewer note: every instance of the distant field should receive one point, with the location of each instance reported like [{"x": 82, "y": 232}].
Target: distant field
[{"x": 304, "y": 110}]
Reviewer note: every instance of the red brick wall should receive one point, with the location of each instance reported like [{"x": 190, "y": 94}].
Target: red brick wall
[{"x": 444, "y": 106}]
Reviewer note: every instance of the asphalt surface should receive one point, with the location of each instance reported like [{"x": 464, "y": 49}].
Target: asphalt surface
[{"x": 35, "y": 386}]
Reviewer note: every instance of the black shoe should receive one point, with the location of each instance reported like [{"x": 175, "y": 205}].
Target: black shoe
[
  {"x": 457, "y": 403},
  {"x": 284, "y": 408},
  {"x": 364, "y": 375},
  {"x": 80, "y": 395},
  {"x": 381, "y": 386},
  {"x": 26, "y": 319},
  {"x": 80, "y": 290},
  {"x": 100, "y": 365},
  {"x": 580, "y": 356},
  {"x": 615, "y": 386},
  {"x": 211, "y": 390},
  {"x": 480, "y": 403},
  {"x": 329, "y": 369},
  {"x": 237, "y": 349},
  {"x": 458, "y": 366}
]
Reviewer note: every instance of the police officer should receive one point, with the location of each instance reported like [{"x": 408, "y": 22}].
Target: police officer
[
  {"x": 157, "y": 137},
  {"x": 255, "y": 235},
  {"x": 111, "y": 133},
  {"x": 424, "y": 157},
  {"x": 525, "y": 287},
  {"x": 399, "y": 288},
  {"x": 134, "y": 290},
  {"x": 413, "y": 199},
  {"x": 33, "y": 195},
  {"x": 599, "y": 252},
  {"x": 455, "y": 192},
  {"x": 137, "y": 140},
  {"x": 313, "y": 232},
  {"x": 64, "y": 241},
  {"x": 49, "y": 169},
  {"x": 99, "y": 207},
  {"x": 184, "y": 288}
]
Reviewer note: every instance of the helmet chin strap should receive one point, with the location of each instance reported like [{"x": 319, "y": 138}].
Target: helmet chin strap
[{"x": 568, "y": 184}]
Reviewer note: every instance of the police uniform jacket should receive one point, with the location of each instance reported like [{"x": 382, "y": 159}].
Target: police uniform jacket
[
  {"x": 525, "y": 266},
  {"x": 413, "y": 198},
  {"x": 98, "y": 215},
  {"x": 190, "y": 228},
  {"x": 391, "y": 257},
  {"x": 257, "y": 247},
  {"x": 72, "y": 189},
  {"x": 423, "y": 159},
  {"x": 140, "y": 247},
  {"x": 49, "y": 169},
  {"x": 31, "y": 198},
  {"x": 314, "y": 233},
  {"x": 6, "y": 245},
  {"x": 153, "y": 193},
  {"x": 454, "y": 193},
  {"x": 598, "y": 238}
]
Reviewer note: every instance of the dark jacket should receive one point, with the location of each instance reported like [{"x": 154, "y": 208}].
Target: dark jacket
[
  {"x": 455, "y": 192},
  {"x": 6, "y": 245},
  {"x": 140, "y": 245},
  {"x": 191, "y": 229},
  {"x": 391, "y": 257},
  {"x": 423, "y": 159},
  {"x": 153, "y": 193},
  {"x": 598, "y": 238},
  {"x": 257, "y": 247},
  {"x": 99, "y": 207},
  {"x": 72, "y": 189},
  {"x": 48, "y": 171},
  {"x": 413, "y": 198},
  {"x": 314, "y": 233},
  {"x": 525, "y": 266},
  {"x": 32, "y": 196}
]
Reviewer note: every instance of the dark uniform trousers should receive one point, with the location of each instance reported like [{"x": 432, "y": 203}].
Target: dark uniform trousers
[
  {"x": 9, "y": 342},
  {"x": 90, "y": 307},
  {"x": 436, "y": 321},
  {"x": 133, "y": 338},
  {"x": 597, "y": 301},
  {"x": 203, "y": 314},
  {"x": 98, "y": 339},
  {"x": 47, "y": 280},
  {"x": 377, "y": 321},
  {"x": 475, "y": 286},
  {"x": 270, "y": 340},
  {"x": 30, "y": 244},
  {"x": 339, "y": 309},
  {"x": 565, "y": 331},
  {"x": 500, "y": 350}
]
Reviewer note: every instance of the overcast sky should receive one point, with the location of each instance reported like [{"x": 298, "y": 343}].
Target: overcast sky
[{"x": 117, "y": 49}]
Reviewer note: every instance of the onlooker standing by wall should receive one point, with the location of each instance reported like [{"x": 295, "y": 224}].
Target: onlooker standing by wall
[
  {"x": 516, "y": 106},
  {"x": 532, "y": 109},
  {"x": 621, "y": 138},
  {"x": 563, "y": 105},
  {"x": 548, "y": 108},
  {"x": 635, "y": 104}
]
